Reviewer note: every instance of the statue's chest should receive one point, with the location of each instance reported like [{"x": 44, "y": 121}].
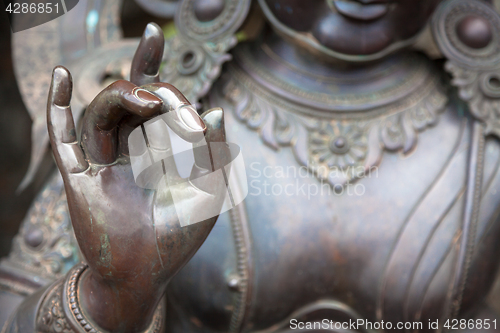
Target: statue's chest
[
  {"x": 361, "y": 242},
  {"x": 378, "y": 248}
]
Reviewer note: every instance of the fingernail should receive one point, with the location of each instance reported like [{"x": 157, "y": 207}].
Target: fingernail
[
  {"x": 60, "y": 72},
  {"x": 214, "y": 118},
  {"x": 146, "y": 97},
  {"x": 191, "y": 118},
  {"x": 62, "y": 88},
  {"x": 152, "y": 30}
]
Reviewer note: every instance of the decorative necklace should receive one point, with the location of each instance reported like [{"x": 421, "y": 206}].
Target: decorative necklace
[{"x": 338, "y": 147}]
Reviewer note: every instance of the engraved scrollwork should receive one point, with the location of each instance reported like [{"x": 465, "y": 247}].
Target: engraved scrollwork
[
  {"x": 481, "y": 90},
  {"x": 400, "y": 131},
  {"x": 193, "y": 58},
  {"x": 193, "y": 67},
  {"x": 276, "y": 128}
]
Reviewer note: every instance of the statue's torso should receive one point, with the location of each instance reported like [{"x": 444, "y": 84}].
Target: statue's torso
[{"x": 383, "y": 249}]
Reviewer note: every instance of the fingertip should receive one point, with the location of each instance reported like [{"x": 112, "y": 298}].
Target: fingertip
[
  {"x": 152, "y": 30},
  {"x": 152, "y": 44},
  {"x": 148, "y": 56},
  {"x": 61, "y": 86},
  {"x": 214, "y": 120},
  {"x": 214, "y": 117}
]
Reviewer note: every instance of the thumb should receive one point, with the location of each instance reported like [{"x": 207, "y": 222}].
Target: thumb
[{"x": 212, "y": 156}]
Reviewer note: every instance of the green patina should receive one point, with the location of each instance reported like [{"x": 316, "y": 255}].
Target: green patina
[
  {"x": 100, "y": 217},
  {"x": 105, "y": 252}
]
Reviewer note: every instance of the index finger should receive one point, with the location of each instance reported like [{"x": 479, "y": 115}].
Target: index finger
[
  {"x": 100, "y": 121},
  {"x": 147, "y": 59}
]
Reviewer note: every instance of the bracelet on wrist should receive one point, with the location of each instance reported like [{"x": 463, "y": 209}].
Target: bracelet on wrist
[{"x": 60, "y": 310}]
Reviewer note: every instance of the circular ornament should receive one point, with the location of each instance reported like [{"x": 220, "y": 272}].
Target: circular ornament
[
  {"x": 223, "y": 18},
  {"x": 468, "y": 31}
]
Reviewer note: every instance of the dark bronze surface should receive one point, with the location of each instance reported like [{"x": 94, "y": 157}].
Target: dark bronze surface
[{"x": 373, "y": 185}]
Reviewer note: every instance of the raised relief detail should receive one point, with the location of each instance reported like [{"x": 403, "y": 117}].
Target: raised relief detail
[
  {"x": 338, "y": 148},
  {"x": 468, "y": 34},
  {"x": 45, "y": 246},
  {"x": 194, "y": 67},
  {"x": 51, "y": 317}
]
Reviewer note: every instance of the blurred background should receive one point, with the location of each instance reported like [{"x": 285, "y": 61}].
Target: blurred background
[{"x": 15, "y": 143}]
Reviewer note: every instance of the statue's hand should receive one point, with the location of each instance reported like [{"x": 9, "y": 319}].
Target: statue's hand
[{"x": 130, "y": 237}]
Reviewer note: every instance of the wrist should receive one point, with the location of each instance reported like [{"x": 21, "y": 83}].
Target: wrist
[{"x": 67, "y": 299}]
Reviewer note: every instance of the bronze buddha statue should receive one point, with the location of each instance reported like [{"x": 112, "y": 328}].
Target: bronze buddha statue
[{"x": 372, "y": 176}]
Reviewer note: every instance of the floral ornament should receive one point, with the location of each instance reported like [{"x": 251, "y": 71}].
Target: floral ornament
[
  {"x": 337, "y": 151},
  {"x": 338, "y": 145},
  {"x": 193, "y": 67},
  {"x": 342, "y": 149}
]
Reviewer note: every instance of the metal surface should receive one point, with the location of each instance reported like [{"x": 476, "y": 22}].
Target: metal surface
[{"x": 406, "y": 229}]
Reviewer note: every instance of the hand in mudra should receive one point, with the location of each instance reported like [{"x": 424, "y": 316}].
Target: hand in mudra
[{"x": 130, "y": 237}]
